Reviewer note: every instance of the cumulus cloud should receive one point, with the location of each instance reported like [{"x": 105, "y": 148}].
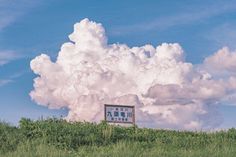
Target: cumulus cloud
[
  {"x": 167, "y": 91},
  {"x": 222, "y": 62}
]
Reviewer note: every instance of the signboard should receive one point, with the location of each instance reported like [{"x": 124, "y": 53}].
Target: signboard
[{"x": 119, "y": 114}]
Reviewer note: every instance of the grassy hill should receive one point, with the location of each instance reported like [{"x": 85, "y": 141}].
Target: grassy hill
[{"x": 57, "y": 138}]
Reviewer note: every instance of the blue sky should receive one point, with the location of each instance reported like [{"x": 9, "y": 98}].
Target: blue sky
[{"x": 29, "y": 28}]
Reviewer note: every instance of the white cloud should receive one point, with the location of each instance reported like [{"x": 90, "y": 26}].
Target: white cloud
[
  {"x": 168, "y": 92},
  {"x": 223, "y": 62}
]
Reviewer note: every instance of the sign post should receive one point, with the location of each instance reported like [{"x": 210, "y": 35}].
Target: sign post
[{"x": 119, "y": 114}]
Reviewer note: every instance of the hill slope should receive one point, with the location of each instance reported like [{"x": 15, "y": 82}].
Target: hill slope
[{"x": 55, "y": 137}]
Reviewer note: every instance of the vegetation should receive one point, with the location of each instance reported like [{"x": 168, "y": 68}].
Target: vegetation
[{"x": 56, "y": 137}]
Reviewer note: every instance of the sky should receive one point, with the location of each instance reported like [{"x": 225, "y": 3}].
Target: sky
[{"x": 29, "y": 28}]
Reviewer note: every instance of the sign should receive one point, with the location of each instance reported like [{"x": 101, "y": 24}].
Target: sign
[{"x": 119, "y": 114}]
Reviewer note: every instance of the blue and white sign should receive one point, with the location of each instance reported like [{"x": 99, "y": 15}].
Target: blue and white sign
[{"x": 119, "y": 114}]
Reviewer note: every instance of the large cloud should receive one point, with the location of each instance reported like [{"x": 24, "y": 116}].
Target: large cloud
[{"x": 167, "y": 91}]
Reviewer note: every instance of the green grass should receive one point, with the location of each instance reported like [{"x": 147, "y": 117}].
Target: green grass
[{"x": 55, "y": 137}]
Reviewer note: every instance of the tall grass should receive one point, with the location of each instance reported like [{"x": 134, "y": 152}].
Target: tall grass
[{"x": 56, "y": 137}]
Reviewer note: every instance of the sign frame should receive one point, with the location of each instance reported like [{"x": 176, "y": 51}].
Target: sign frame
[{"x": 118, "y": 122}]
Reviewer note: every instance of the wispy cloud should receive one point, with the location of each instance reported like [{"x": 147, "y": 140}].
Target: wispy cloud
[
  {"x": 11, "y": 10},
  {"x": 4, "y": 82},
  {"x": 7, "y": 56},
  {"x": 197, "y": 14},
  {"x": 12, "y": 78},
  {"x": 223, "y": 35}
]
